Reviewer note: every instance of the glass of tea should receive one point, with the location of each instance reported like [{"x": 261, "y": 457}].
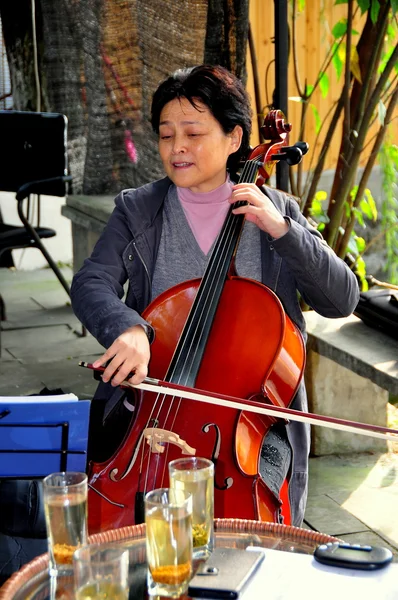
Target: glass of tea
[
  {"x": 168, "y": 518},
  {"x": 196, "y": 475},
  {"x": 65, "y": 507},
  {"x": 101, "y": 571}
]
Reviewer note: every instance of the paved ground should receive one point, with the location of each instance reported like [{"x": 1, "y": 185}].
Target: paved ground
[{"x": 353, "y": 497}]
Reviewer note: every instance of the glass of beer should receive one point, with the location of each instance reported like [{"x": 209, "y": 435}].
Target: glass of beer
[
  {"x": 196, "y": 475},
  {"x": 101, "y": 571},
  {"x": 168, "y": 518},
  {"x": 65, "y": 507}
]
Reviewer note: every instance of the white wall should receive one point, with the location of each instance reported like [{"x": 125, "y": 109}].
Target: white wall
[{"x": 59, "y": 246}]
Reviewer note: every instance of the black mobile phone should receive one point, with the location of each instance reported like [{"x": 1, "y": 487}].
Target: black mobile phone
[
  {"x": 353, "y": 556},
  {"x": 225, "y": 573}
]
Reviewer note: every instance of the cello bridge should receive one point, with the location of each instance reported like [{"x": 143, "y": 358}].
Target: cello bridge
[{"x": 157, "y": 439}]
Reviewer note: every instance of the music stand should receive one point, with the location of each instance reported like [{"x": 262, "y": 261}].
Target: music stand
[{"x": 52, "y": 433}]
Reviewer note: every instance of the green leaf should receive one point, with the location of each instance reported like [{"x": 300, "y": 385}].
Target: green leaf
[
  {"x": 324, "y": 84},
  {"x": 354, "y": 64},
  {"x": 321, "y": 226},
  {"x": 337, "y": 62},
  {"x": 340, "y": 29},
  {"x": 321, "y": 195},
  {"x": 353, "y": 192},
  {"x": 372, "y": 203},
  {"x": 363, "y": 5},
  {"x": 365, "y": 208},
  {"x": 317, "y": 211},
  {"x": 340, "y": 2},
  {"x": 374, "y": 11},
  {"x": 385, "y": 58},
  {"x": 381, "y": 111},
  {"x": 361, "y": 244},
  {"x": 316, "y": 208},
  {"x": 318, "y": 121},
  {"x": 360, "y": 270},
  {"x": 352, "y": 247},
  {"x": 308, "y": 90},
  {"x": 359, "y": 216},
  {"x": 394, "y": 6}
]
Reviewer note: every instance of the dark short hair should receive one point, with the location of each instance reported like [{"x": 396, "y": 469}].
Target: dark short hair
[{"x": 220, "y": 90}]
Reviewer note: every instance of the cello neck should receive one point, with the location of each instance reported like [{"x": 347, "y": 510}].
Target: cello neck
[{"x": 190, "y": 349}]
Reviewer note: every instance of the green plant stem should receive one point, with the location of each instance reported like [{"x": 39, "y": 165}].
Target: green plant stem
[
  {"x": 322, "y": 156},
  {"x": 367, "y": 171},
  {"x": 350, "y": 169},
  {"x": 370, "y": 39}
]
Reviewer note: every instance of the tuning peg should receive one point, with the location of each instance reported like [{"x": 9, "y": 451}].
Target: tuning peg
[
  {"x": 303, "y": 146},
  {"x": 291, "y": 154}
]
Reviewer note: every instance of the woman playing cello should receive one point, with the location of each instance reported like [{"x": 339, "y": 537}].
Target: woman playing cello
[{"x": 163, "y": 233}]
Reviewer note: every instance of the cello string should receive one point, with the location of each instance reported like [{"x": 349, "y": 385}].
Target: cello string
[
  {"x": 223, "y": 248},
  {"x": 209, "y": 288},
  {"x": 172, "y": 401},
  {"x": 212, "y": 271},
  {"x": 213, "y": 275}
]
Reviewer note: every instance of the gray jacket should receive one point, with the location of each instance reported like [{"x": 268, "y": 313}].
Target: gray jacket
[{"x": 300, "y": 261}]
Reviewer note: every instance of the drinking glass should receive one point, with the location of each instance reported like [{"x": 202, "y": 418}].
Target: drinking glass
[
  {"x": 168, "y": 518},
  {"x": 101, "y": 571},
  {"x": 65, "y": 507},
  {"x": 196, "y": 475}
]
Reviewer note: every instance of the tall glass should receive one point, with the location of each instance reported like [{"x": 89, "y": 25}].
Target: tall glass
[
  {"x": 100, "y": 572},
  {"x": 196, "y": 475},
  {"x": 168, "y": 518},
  {"x": 65, "y": 507}
]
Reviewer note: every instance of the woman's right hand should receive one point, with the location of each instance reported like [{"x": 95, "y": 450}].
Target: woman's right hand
[{"x": 129, "y": 353}]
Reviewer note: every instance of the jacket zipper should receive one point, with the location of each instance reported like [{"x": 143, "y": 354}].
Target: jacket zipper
[{"x": 146, "y": 271}]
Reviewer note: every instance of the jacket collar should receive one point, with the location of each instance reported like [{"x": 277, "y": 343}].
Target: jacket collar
[{"x": 147, "y": 203}]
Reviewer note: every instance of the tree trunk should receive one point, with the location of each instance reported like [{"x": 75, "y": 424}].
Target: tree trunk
[
  {"x": 61, "y": 80},
  {"x": 227, "y": 34}
]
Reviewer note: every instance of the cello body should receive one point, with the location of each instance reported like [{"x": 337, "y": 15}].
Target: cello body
[{"x": 253, "y": 351}]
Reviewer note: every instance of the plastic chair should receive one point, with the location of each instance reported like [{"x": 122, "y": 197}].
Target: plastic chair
[{"x": 33, "y": 159}]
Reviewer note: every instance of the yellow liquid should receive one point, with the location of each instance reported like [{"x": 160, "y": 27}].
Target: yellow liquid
[
  {"x": 66, "y": 518},
  {"x": 201, "y": 485},
  {"x": 169, "y": 545},
  {"x": 102, "y": 590}
]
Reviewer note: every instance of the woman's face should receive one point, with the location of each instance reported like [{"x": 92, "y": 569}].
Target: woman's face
[{"x": 193, "y": 146}]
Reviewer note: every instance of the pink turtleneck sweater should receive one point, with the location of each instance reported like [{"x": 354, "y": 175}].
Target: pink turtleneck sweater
[{"x": 206, "y": 212}]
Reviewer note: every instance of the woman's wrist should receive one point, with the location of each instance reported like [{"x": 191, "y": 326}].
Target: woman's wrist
[{"x": 280, "y": 229}]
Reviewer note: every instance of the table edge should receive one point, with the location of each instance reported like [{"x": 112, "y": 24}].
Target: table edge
[{"x": 131, "y": 532}]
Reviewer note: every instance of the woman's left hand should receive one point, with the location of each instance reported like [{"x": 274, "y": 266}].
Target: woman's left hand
[{"x": 259, "y": 209}]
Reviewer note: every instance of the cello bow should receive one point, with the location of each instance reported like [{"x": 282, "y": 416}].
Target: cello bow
[{"x": 166, "y": 388}]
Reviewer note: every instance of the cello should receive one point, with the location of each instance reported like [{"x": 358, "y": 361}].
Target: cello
[{"x": 199, "y": 343}]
